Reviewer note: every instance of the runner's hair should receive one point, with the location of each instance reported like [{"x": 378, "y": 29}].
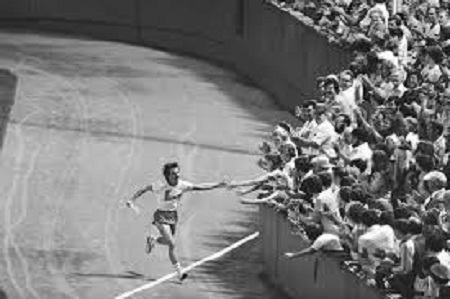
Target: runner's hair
[{"x": 168, "y": 167}]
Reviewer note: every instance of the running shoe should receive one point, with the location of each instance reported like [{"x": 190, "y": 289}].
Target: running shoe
[
  {"x": 183, "y": 276},
  {"x": 150, "y": 244}
]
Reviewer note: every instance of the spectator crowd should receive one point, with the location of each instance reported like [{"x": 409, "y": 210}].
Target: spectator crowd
[{"x": 365, "y": 171}]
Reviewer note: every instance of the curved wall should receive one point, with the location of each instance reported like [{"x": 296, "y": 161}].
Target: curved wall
[{"x": 253, "y": 37}]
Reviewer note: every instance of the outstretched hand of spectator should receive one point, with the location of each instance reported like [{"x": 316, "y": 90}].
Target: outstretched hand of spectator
[{"x": 288, "y": 255}]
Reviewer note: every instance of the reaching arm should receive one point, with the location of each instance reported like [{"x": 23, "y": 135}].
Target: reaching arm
[
  {"x": 257, "y": 181},
  {"x": 306, "y": 251},
  {"x": 208, "y": 186},
  {"x": 139, "y": 193}
]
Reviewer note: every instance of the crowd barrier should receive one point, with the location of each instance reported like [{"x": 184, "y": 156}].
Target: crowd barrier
[{"x": 316, "y": 276}]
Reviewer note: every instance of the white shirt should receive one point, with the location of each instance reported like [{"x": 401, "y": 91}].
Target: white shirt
[
  {"x": 328, "y": 242},
  {"x": 377, "y": 237},
  {"x": 170, "y": 196},
  {"x": 364, "y": 153},
  {"x": 325, "y": 135},
  {"x": 413, "y": 139},
  {"x": 307, "y": 131},
  {"x": 328, "y": 197},
  {"x": 347, "y": 103}
]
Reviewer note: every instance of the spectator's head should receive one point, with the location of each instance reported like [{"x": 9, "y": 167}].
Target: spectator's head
[
  {"x": 326, "y": 179},
  {"x": 312, "y": 185},
  {"x": 338, "y": 173},
  {"x": 357, "y": 194},
  {"x": 401, "y": 228},
  {"x": 425, "y": 162},
  {"x": 310, "y": 107},
  {"x": 380, "y": 161},
  {"x": 394, "y": 22},
  {"x": 320, "y": 114},
  {"x": 313, "y": 231},
  {"x": 344, "y": 194},
  {"x": 288, "y": 151},
  {"x": 435, "y": 180},
  {"x": 264, "y": 148},
  {"x": 345, "y": 80},
  {"x": 396, "y": 78},
  {"x": 303, "y": 165},
  {"x": 341, "y": 122},
  {"x": 435, "y": 242},
  {"x": 357, "y": 167},
  {"x": 370, "y": 218},
  {"x": 387, "y": 218},
  {"x": 347, "y": 181},
  {"x": 376, "y": 16},
  {"x": 274, "y": 162},
  {"x": 415, "y": 226},
  {"x": 429, "y": 223},
  {"x": 355, "y": 212},
  {"x": 331, "y": 86},
  {"x": 413, "y": 80},
  {"x": 432, "y": 15},
  {"x": 411, "y": 123},
  {"x": 359, "y": 136},
  {"x": 437, "y": 128},
  {"x": 285, "y": 127},
  {"x": 425, "y": 148},
  {"x": 434, "y": 55},
  {"x": 443, "y": 17},
  {"x": 446, "y": 200}
]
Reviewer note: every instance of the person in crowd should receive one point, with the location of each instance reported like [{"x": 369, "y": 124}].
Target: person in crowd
[{"x": 373, "y": 172}]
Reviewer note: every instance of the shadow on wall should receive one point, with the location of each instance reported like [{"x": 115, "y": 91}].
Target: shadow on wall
[
  {"x": 3, "y": 294},
  {"x": 258, "y": 104},
  {"x": 8, "y": 87}
]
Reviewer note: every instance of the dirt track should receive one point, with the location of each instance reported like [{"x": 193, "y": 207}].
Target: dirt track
[{"x": 93, "y": 121}]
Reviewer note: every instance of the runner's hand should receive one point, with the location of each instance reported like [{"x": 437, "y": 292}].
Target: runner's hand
[
  {"x": 131, "y": 205},
  {"x": 288, "y": 255}
]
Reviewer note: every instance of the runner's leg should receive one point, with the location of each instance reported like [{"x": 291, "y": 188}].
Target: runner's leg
[{"x": 166, "y": 233}]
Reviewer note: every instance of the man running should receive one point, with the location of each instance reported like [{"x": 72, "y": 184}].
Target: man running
[{"x": 166, "y": 217}]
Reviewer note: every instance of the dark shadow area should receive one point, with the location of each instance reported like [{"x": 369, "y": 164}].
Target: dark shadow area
[
  {"x": 8, "y": 87},
  {"x": 3, "y": 294},
  {"x": 126, "y": 275},
  {"x": 260, "y": 105},
  {"x": 239, "y": 272}
]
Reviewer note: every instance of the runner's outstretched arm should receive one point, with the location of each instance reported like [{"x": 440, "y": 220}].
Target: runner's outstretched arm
[
  {"x": 138, "y": 194},
  {"x": 208, "y": 186}
]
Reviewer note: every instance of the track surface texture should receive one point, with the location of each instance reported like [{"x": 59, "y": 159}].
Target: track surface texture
[{"x": 93, "y": 122}]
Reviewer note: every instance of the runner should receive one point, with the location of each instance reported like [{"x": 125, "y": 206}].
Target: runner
[{"x": 166, "y": 216}]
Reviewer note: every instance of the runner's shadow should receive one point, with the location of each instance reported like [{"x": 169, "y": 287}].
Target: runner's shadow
[{"x": 126, "y": 275}]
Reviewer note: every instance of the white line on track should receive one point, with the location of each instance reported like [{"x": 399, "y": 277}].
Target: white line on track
[{"x": 190, "y": 267}]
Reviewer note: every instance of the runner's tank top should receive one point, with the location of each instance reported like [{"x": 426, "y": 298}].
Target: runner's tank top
[{"x": 170, "y": 196}]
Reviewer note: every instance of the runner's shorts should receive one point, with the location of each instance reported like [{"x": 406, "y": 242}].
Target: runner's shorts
[{"x": 166, "y": 217}]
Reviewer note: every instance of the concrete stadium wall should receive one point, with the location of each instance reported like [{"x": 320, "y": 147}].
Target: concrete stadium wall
[
  {"x": 253, "y": 37},
  {"x": 318, "y": 276}
]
